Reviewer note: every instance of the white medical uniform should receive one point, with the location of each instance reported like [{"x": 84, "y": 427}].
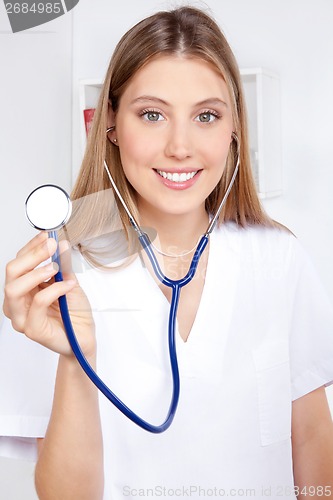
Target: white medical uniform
[{"x": 262, "y": 337}]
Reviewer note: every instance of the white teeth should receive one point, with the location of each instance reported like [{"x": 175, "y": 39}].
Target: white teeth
[{"x": 177, "y": 177}]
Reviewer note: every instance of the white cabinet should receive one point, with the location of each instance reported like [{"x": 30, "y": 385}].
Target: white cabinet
[
  {"x": 262, "y": 94},
  {"x": 89, "y": 91}
]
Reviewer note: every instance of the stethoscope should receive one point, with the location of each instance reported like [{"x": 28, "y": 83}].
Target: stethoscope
[{"x": 48, "y": 208}]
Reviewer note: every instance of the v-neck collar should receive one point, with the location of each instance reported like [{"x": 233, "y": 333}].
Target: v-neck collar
[
  {"x": 133, "y": 290},
  {"x": 160, "y": 301}
]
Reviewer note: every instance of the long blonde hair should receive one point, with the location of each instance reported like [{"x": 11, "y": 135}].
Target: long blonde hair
[{"x": 191, "y": 33}]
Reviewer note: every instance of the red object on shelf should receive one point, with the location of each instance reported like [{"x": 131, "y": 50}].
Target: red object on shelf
[{"x": 88, "y": 118}]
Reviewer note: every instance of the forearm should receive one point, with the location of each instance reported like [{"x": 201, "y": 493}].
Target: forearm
[
  {"x": 70, "y": 464},
  {"x": 313, "y": 466}
]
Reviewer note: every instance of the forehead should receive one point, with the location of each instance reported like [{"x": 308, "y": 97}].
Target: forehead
[{"x": 175, "y": 79}]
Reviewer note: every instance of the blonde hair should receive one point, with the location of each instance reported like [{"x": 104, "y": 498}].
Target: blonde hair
[{"x": 191, "y": 33}]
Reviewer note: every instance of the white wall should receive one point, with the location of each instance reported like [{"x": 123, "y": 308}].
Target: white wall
[
  {"x": 35, "y": 138},
  {"x": 291, "y": 37},
  {"x": 35, "y": 148}
]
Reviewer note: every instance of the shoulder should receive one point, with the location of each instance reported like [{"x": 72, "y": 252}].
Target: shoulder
[
  {"x": 260, "y": 239},
  {"x": 265, "y": 247}
]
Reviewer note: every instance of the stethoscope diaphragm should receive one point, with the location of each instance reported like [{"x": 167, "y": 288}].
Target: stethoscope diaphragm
[{"x": 48, "y": 207}]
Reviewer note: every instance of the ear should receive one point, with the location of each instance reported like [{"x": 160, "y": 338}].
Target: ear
[{"x": 111, "y": 122}]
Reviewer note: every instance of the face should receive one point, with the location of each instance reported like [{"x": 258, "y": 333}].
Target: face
[{"x": 173, "y": 128}]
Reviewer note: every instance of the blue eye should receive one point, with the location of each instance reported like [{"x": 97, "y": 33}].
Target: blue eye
[
  {"x": 207, "y": 117},
  {"x": 152, "y": 116}
]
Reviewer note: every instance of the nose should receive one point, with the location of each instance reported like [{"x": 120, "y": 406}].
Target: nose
[{"x": 179, "y": 144}]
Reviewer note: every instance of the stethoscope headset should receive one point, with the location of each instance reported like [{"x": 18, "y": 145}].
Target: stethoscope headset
[{"x": 40, "y": 213}]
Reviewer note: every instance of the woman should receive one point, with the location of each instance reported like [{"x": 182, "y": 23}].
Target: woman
[{"x": 254, "y": 337}]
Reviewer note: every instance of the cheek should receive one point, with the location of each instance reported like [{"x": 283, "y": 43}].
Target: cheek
[
  {"x": 131, "y": 151},
  {"x": 136, "y": 149},
  {"x": 216, "y": 152}
]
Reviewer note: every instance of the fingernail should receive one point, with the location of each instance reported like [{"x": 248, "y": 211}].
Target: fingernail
[
  {"x": 41, "y": 235},
  {"x": 65, "y": 245},
  {"x": 51, "y": 245},
  {"x": 53, "y": 266}
]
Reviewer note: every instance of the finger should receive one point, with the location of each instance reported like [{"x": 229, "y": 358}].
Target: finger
[
  {"x": 43, "y": 299},
  {"x": 19, "y": 294},
  {"x": 38, "y": 314},
  {"x": 28, "y": 261},
  {"x": 14, "y": 290},
  {"x": 37, "y": 240}
]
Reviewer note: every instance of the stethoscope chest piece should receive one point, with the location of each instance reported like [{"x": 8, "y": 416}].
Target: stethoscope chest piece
[{"x": 48, "y": 207}]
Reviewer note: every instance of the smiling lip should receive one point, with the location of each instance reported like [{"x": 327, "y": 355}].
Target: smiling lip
[{"x": 178, "y": 180}]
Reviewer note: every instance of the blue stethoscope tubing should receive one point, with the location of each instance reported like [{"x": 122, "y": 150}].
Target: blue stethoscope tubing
[{"x": 175, "y": 285}]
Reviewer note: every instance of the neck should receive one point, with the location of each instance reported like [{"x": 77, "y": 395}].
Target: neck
[{"x": 176, "y": 233}]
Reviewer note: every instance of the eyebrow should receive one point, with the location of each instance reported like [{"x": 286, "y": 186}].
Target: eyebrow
[{"x": 210, "y": 101}]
